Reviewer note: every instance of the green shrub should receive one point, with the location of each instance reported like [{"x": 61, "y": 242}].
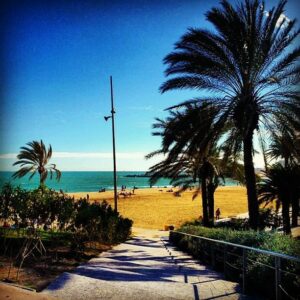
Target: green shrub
[
  {"x": 258, "y": 239},
  {"x": 257, "y": 262},
  {"x": 48, "y": 209},
  {"x": 100, "y": 222}
]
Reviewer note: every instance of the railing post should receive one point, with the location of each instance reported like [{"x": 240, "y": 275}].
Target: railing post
[
  {"x": 277, "y": 277},
  {"x": 225, "y": 258},
  {"x": 213, "y": 260},
  {"x": 244, "y": 269},
  {"x": 194, "y": 246},
  {"x": 200, "y": 249},
  {"x": 245, "y": 261}
]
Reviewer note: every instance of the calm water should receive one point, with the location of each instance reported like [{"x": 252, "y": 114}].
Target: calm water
[{"x": 87, "y": 181}]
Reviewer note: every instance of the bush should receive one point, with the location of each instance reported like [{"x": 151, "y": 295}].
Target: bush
[
  {"x": 98, "y": 221},
  {"x": 208, "y": 252},
  {"x": 48, "y": 209}
]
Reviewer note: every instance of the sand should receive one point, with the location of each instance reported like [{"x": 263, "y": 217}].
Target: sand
[{"x": 154, "y": 208}]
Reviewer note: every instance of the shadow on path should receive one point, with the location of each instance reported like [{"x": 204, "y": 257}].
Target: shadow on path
[{"x": 152, "y": 265}]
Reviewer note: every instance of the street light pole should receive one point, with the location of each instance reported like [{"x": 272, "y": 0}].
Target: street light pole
[{"x": 114, "y": 143}]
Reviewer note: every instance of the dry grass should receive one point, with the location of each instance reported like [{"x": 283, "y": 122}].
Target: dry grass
[{"x": 151, "y": 208}]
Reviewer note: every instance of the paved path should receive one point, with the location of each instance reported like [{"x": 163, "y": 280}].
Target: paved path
[{"x": 146, "y": 267}]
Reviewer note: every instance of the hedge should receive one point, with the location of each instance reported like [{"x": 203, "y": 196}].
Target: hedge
[{"x": 260, "y": 279}]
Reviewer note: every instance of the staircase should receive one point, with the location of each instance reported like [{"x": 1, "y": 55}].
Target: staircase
[{"x": 146, "y": 267}]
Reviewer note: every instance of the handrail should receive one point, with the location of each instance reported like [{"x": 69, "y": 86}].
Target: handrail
[{"x": 276, "y": 254}]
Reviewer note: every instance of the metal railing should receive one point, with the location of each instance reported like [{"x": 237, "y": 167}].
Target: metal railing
[{"x": 244, "y": 258}]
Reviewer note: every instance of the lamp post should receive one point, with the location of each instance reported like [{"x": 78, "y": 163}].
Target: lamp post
[{"x": 114, "y": 144}]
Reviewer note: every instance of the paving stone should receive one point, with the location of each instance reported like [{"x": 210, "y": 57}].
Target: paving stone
[{"x": 146, "y": 267}]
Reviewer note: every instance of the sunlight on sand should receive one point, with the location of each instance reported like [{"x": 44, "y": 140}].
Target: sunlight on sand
[{"x": 154, "y": 208}]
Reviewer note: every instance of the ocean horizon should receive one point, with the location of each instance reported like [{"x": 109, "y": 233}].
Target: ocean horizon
[{"x": 89, "y": 181}]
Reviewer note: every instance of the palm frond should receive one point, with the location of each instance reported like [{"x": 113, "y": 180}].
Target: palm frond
[{"x": 34, "y": 157}]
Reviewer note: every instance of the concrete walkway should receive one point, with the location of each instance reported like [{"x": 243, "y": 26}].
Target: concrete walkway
[{"x": 146, "y": 267}]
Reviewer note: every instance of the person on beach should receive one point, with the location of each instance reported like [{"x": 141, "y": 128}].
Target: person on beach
[
  {"x": 218, "y": 213},
  {"x": 5, "y": 225}
]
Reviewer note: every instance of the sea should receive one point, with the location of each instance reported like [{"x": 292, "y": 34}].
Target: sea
[{"x": 88, "y": 181}]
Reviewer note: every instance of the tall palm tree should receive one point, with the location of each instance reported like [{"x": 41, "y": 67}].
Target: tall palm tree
[
  {"x": 281, "y": 184},
  {"x": 248, "y": 65},
  {"x": 35, "y": 159}
]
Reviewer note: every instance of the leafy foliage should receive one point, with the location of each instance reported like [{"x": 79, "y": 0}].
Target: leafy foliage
[
  {"x": 98, "y": 221},
  {"x": 46, "y": 208},
  {"x": 257, "y": 239}
]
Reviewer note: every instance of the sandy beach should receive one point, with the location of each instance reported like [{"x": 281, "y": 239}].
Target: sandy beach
[{"x": 154, "y": 208}]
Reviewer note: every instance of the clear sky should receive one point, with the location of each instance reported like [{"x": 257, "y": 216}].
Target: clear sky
[{"x": 57, "y": 57}]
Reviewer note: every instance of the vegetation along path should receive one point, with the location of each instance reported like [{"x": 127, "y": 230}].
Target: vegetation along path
[{"x": 144, "y": 267}]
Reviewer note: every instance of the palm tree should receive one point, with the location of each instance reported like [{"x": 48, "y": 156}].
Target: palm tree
[
  {"x": 186, "y": 149},
  {"x": 190, "y": 158},
  {"x": 209, "y": 178},
  {"x": 247, "y": 65},
  {"x": 281, "y": 184},
  {"x": 187, "y": 171},
  {"x": 284, "y": 146},
  {"x": 34, "y": 159}
]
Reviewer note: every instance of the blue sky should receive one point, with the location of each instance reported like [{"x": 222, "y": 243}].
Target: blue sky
[{"x": 57, "y": 59}]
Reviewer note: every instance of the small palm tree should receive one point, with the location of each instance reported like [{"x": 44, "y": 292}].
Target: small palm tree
[
  {"x": 281, "y": 184},
  {"x": 248, "y": 66},
  {"x": 35, "y": 159},
  {"x": 284, "y": 146}
]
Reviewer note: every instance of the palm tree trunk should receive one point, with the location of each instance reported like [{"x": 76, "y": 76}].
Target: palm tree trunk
[
  {"x": 286, "y": 162},
  {"x": 211, "y": 201},
  {"x": 295, "y": 212},
  {"x": 42, "y": 177},
  {"x": 204, "y": 201},
  {"x": 286, "y": 217},
  {"x": 40, "y": 173},
  {"x": 250, "y": 181}
]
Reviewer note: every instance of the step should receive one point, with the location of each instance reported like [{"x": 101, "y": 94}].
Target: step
[{"x": 71, "y": 286}]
